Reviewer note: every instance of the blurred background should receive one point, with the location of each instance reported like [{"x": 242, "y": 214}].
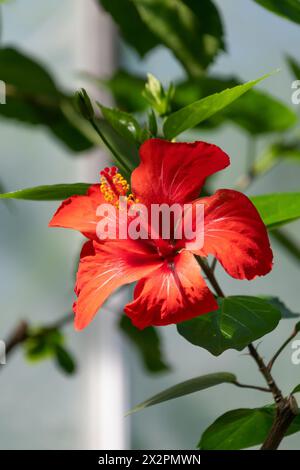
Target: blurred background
[{"x": 42, "y": 408}]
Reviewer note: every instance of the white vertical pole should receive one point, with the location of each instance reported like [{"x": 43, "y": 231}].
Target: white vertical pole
[{"x": 105, "y": 401}]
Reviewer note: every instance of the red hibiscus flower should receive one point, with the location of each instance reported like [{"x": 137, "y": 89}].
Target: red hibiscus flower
[{"x": 170, "y": 287}]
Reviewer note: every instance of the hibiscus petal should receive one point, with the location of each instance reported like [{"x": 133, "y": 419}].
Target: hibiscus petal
[
  {"x": 79, "y": 212},
  {"x": 174, "y": 172},
  {"x": 114, "y": 264},
  {"x": 235, "y": 234},
  {"x": 173, "y": 293}
]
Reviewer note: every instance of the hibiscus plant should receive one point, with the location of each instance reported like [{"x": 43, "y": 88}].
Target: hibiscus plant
[{"x": 156, "y": 163}]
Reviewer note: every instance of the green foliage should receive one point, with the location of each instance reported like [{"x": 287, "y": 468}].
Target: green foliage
[
  {"x": 296, "y": 389},
  {"x": 283, "y": 309},
  {"x": 124, "y": 124},
  {"x": 278, "y": 209},
  {"x": 289, "y": 9},
  {"x": 125, "y": 154},
  {"x": 193, "y": 114},
  {"x": 294, "y": 66},
  {"x": 65, "y": 360},
  {"x": 192, "y": 30},
  {"x": 130, "y": 24},
  {"x": 186, "y": 388},
  {"x": 48, "y": 343},
  {"x": 238, "y": 321},
  {"x": 148, "y": 344},
  {"x": 242, "y": 428},
  {"x": 256, "y": 112},
  {"x": 54, "y": 192},
  {"x": 34, "y": 98}
]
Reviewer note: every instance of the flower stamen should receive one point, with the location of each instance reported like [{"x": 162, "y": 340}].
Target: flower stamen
[{"x": 114, "y": 187}]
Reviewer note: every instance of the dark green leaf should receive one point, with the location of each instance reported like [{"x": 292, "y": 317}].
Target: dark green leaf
[
  {"x": 125, "y": 154},
  {"x": 283, "y": 309},
  {"x": 191, "y": 30},
  {"x": 65, "y": 360},
  {"x": 147, "y": 343},
  {"x": 278, "y": 209},
  {"x": 289, "y": 9},
  {"x": 186, "y": 388},
  {"x": 296, "y": 389},
  {"x": 242, "y": 428},
  {"x": 55, "y": 192},
  {"x": 190, "y": 116},
  {"x": 131, "y": 26},
  {"x": 33, "y": 97},
  {"x": 123, "y": 123},
  {"x": 238, "y": 321},
  {"x": 294, "y": 66}
]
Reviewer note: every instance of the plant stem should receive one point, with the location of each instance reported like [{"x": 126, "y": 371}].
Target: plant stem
[
  {"x": 286, "y": 342},
  {"x": 254, "y": 387},
  {"x": 284, "y": 418},
  {"x": 22, "y": 332},
  {"x": 286, "y": 408}
]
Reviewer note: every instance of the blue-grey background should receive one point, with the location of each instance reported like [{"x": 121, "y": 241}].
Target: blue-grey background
[{"x": 39, "y": 407}]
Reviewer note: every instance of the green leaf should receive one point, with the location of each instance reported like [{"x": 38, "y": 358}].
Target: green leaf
[
  {"x": 277, "y": 209},
  {"x": 123, "y": 123},
  {"x": 186, "y": 388},
  {"x": 180, "y": 26},
  {"x": 294, "y": 66},
  {"x": 33, "y": 97},
  {"x": 190, "y": 116},
  {"x": 242, "y": 428},
  {"x": 125, "y": 154},
  {"x": 130, "y": 24},
  {"x": 41, "y": 343},
  {"x": 147, "y": 343},
  {"x": 289, "y": 9},
  {"x": 55, "y": 192},
  {"x": 257, "y": 112},
  {"x": 238, "y": 321},
  {"x": 65, "y": 360},
  {"x": 283, "y": 309},
  {"x": 296, "y": 390}
]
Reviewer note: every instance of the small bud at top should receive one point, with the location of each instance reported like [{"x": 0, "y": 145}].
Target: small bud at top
[{"x": 84, "y": 104}]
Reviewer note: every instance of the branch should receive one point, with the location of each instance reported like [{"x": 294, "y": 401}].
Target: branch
[
  {"x": 22, "y": 332},
  {"x": 254, "y": 387},
  {"x": 286, "y": 342}
]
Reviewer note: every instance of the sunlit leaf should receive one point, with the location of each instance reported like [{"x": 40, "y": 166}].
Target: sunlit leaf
[
  {"x": 278, "y": 208},
  {"x": 55, "y": 192},
  {"x": 191, "y": 115}
]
